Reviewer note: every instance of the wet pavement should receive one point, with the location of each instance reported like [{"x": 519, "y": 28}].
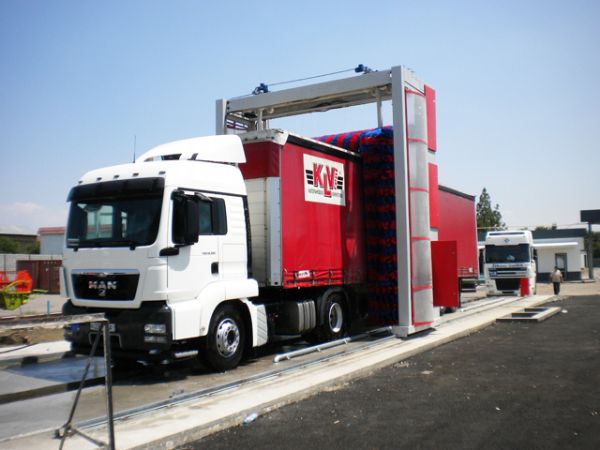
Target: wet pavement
[{"x": 512, "y": 385}]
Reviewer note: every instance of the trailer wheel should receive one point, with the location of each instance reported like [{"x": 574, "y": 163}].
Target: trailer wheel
[
  {"x": 334, "y": 320},
  {"x": 226, "y": 339}
]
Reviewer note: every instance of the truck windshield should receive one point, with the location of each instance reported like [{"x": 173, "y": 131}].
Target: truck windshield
[
  {"x": 507, "y": 253},
  {"x": 118, "y": 216}
]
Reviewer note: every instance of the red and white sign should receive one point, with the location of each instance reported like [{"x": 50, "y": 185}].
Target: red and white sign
[{"x": 323, "y": 181}]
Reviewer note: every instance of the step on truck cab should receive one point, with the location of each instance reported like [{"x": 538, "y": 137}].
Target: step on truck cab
[
  {"x": 204, "y": 247},
  {"x": 509, "y": 258}
]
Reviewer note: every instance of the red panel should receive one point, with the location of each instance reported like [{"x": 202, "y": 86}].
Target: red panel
[
  {"x": 322, "y": 244},
  {"x": 262, "y": 160},
  {"x": 457, "y": 223},
  {"x": 524, "y": 287},
  {"x": 434, "y": 193},
  {"x": 431, "y": 125},
  {"x": 444, "y": 270}
]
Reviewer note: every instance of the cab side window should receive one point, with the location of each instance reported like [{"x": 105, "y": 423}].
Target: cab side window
[{"x": 213, "y": 217}]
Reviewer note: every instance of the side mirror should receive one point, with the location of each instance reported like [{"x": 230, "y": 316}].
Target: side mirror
[{"x": 186, "y": 219}]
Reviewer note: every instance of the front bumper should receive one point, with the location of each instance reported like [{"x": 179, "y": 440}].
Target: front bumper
[{"x": 129, "y": 335}]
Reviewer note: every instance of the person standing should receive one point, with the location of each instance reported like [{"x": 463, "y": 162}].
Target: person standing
[{"x": 556, "y": 277}]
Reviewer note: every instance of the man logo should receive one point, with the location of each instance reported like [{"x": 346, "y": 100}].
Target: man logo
[{"x": 102, "y": 286}]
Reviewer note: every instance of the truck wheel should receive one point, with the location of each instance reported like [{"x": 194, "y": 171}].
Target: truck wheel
[
  {"x": 334, "y": 321},
  {"x": 226, "y": 339}
]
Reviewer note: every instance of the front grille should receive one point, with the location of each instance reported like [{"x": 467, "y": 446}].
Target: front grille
[
  {"x": 507, "y": 284},
  {"x": 508, "y": 273},
  {"x": 105, "y": 286}
]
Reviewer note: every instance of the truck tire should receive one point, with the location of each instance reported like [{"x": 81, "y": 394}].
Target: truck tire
[
  {"x": 334, "y": 322},
  {"x": 224, "y": 345}
]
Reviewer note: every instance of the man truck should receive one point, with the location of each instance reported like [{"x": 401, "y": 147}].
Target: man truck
[
  {"x": 176, "y": 247},
  {"x": 509, "y": 259}
]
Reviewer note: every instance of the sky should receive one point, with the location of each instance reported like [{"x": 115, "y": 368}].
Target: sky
[{"x": 518, "y": 95}]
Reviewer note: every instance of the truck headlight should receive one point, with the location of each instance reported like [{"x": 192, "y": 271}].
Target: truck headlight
[{"x": 155, "y": 328}]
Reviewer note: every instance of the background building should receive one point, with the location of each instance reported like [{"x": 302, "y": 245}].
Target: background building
[{"x": 51, "y": 240}]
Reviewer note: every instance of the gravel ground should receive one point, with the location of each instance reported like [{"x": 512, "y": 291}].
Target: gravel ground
[{"x": 512, "y": 385}]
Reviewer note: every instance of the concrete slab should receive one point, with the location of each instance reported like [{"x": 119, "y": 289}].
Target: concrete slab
[
  {"x": 538, "y": 314},
  {"x": 33, "y": 380},
  {"x": 177, "y": 425},
  {"x": 15, "y": 354}
]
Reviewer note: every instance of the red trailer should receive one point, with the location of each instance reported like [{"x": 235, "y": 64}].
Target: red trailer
[
  {"x": 305, "y": 201},
  {"x": 457, "y": 223}
]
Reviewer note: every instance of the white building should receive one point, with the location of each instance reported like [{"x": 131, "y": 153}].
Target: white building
[
  {"x": 51, "y": 240},
  {"x": 564, "y": 249}
]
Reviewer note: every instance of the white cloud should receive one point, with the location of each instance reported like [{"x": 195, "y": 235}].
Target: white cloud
[{"x": 31, "y": 215}]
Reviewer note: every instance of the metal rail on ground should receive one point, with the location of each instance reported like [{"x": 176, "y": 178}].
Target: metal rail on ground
[
  {"x": 324, "y": 346},
  {"x": 207, "y": 392}
]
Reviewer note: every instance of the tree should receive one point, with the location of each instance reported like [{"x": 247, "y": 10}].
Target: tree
[
  {"x": 545, "y": 227},
  {"x": 33, "y": 248},
  {"x": 488, "y": 218},
  {"x": 8, "y": 245}
]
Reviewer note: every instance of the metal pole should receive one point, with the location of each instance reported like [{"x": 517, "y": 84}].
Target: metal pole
[
  {"x": 108, "y": 378},
  {"x": 221, "y": 111},
  {"x": 68, "y": 428},
  {"x": 590, "y": 252},
  {"x": 379, "y": 112}
]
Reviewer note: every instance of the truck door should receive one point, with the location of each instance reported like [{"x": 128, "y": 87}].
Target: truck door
[{"x": 195, "y": 266}]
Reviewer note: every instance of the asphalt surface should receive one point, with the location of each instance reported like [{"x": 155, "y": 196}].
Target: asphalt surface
[{"x": 510, "y": 386}]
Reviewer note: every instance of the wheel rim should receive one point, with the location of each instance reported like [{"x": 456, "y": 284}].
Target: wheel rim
[
  {"x": 227, "y": 338},
  {"x": 336, "y": 317}
]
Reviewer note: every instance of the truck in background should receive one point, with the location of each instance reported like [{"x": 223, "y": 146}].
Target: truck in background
[{"x": 509, "y": 258}]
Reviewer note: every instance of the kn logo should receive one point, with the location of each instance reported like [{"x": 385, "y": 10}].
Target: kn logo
[{"x": 323, "y": 181}]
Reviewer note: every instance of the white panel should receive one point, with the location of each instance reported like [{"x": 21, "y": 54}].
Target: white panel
[
  {"x": 421, "y": 257},
  {"x": 186, "y": 319},
  {"x": 419, "y": 221},
  {"x": 209, "y": 148},
  {"x": 419, "y": 171},
  {"x": 274, "y": 230},
  {"x": 233, "y": 256},
  {"x": 265, "y": 227},
  {"x": 423, "y": 301},
  {"x": 416, "y": 116},
  {"x": 258, "y": 227}
]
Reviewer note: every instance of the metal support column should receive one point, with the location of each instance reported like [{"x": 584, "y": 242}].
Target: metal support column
[
  {"x": 402, "y": 204},
  {"x": 590, "y": 252}
]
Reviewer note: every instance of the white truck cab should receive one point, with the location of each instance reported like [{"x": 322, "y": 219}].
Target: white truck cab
[
  {"x": 161, "y": 247},
  {"x": 509, "y": 258}
]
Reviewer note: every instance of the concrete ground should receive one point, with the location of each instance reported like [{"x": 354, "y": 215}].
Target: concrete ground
[
  {"x": 37, "y": 304},
  {"x": 512, "y": 385}
]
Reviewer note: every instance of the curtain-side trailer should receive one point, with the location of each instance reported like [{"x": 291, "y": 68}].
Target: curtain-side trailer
[{"x": 457, "y": 222}]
